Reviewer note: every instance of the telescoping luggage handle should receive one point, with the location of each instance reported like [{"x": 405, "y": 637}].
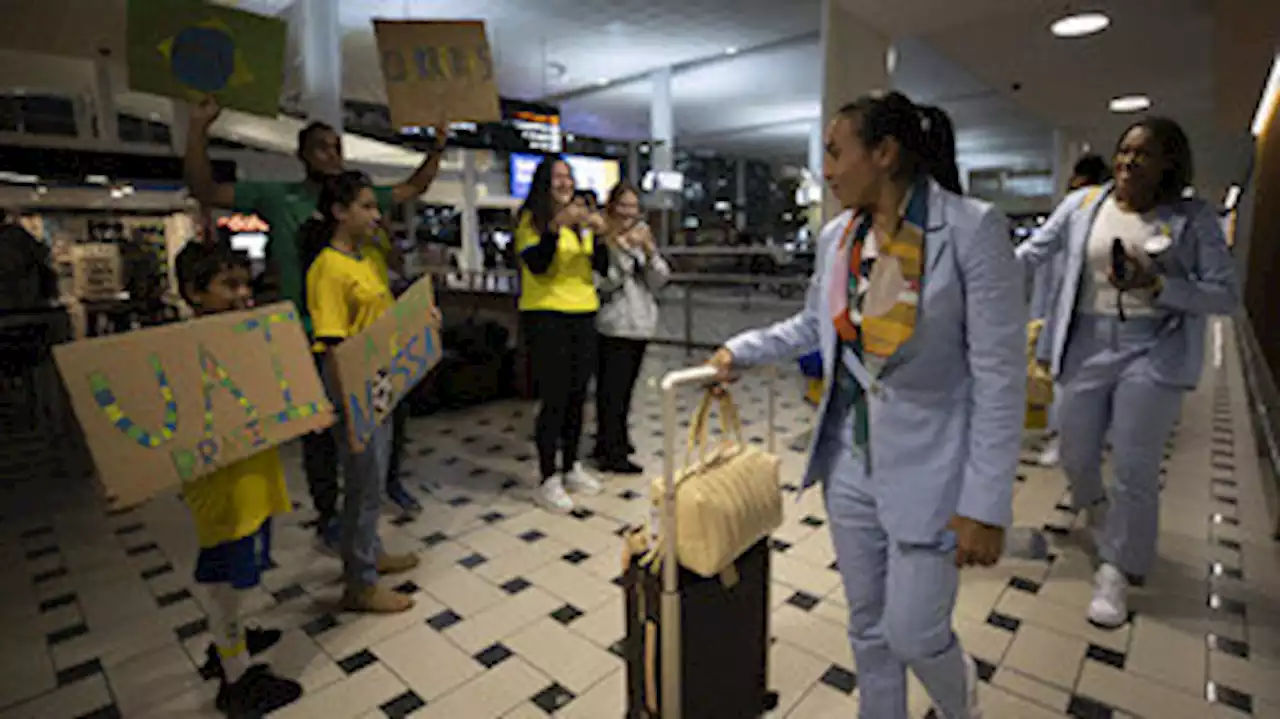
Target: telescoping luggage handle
[{"x": 669, "y": 609}]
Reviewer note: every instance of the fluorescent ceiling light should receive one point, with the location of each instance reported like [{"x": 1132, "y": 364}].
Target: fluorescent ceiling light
[
  {"x": 1130, "y": 103},
  {"x": 1080, "y": 25},
  {"x": 602, "y": 81},
  {"x": 1270, "y": 98}
]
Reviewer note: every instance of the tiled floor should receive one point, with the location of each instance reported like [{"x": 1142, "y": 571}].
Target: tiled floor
[{"x": 517, "y": 615}]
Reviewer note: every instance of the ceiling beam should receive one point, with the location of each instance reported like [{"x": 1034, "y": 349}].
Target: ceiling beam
[{"x": 682, "y": 67}]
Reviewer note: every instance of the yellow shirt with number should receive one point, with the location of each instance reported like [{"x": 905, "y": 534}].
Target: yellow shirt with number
[
  {"x": 233, "y": 502},
  {"x": 569, "y": 284},
  {"x": 345, "y": 294}
]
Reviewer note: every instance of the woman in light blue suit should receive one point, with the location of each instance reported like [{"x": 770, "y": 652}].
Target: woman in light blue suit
[
  {"x": 1144, "y": 268},
  {"x": 1089, "y": 170},
  {"x": 918, "y": 308}
]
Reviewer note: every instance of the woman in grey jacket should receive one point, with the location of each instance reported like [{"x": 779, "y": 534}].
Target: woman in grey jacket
[{"x": 626, "y": 322}]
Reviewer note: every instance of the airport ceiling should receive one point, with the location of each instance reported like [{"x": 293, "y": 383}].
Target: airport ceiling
[{"x": 750, "y": 79}]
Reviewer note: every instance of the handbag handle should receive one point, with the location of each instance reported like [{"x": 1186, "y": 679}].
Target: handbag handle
[{"x": 730, "y": 422}]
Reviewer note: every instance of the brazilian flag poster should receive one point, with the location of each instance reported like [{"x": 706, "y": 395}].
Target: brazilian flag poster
[{"x": 189, "y": 49}]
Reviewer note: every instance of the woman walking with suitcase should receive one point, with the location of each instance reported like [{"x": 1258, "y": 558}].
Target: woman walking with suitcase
[{"x": 917, "y": 307}]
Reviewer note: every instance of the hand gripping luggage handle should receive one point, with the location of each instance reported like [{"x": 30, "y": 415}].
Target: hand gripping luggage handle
[{"x": 669, "y": 608}]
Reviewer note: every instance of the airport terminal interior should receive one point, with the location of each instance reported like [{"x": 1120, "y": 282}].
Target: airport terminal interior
[{"x": 713, "y": 115}]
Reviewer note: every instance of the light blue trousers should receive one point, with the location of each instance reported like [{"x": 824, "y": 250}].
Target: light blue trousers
[
  {"x": 900, "y": 596},
  {"x": 1108, "y": 385},
  {"x": 363, "y": 475}
]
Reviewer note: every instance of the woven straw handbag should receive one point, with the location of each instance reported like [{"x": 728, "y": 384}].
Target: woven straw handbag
[{"x": 728, "y": 497}]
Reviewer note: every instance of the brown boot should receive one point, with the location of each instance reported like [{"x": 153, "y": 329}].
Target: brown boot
[
  {"x": 375, "y": 600},
  {"x": 396, "y": 563}
]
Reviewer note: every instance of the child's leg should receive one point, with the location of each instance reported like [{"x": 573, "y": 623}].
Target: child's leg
[
  {"x": 362, "y": 556},
  {"x": 228, "y": 630}
]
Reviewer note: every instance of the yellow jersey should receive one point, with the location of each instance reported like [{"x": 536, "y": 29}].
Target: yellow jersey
[
  {"x": 377, "y": 252},
  {"x": 345, "y": 294},
  {"x": 569, "y": 284},
  {"x": 233, "y": 502}
]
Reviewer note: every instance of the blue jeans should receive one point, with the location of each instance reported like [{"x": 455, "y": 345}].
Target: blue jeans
[{"x": 363, "y": 476}]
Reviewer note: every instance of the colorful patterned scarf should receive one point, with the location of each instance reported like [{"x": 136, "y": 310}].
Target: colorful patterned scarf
[{"x": 876, "y": 339}]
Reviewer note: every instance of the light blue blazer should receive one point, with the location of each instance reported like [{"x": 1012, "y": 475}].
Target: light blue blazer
[
  {"x": 947, "y": 409},
  {"x": 1199, "y": 280}
]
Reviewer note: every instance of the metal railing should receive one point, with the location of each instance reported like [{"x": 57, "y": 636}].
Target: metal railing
[{"x": 699, "y": 310}]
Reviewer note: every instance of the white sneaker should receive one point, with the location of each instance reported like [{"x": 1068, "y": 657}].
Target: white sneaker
[
  {"x": 578, "y": 481},
  {"x": 1051, "y": 455},
  {"x": 551, "y": 495},
  {"x": 1109, "y": 608}
]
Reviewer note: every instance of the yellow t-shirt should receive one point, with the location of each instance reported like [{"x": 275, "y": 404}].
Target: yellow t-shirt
[
  {"x": 569, "y": 284},
  {"x": 345, "y": 294},
  {"x": 377, "y": 253},
  {"x": 233, "y": 502}
]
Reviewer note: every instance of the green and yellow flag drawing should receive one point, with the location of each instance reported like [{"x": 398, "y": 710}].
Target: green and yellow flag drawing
[{"x": 188, "y": 49}]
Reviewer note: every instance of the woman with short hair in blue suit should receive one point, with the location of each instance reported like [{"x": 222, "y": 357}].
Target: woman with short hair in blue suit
[
  {"x": 918, "y": 308},
  {"x": 1144, "y": 268}
]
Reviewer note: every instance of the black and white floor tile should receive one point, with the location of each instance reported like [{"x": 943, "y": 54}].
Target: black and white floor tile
[{"x": 518, "y": 613}]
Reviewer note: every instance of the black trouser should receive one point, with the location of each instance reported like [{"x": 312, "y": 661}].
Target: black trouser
[
  {"x": 320, "y": 463},
  {"x": 398, "y": 419},
  {"x": 562, "y": 352},
  {"x": 616, "y": 375}
]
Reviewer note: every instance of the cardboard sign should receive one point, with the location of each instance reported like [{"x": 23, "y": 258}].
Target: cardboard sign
[
  {"x": 189, "y": 49},
  {"x": 170, "y": 404},
  {"x": 435, "y": 67},
  {"x": 377, "y": 368},
  {"x": 96, "y": 271}
]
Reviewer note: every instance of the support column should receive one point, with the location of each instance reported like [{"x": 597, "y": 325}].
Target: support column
[
  {"x": 104, "y": 100},
  {"x": 855, "y": 61},
  {"x": 471, "y": 258},
  {"x": 740, "y": 195},
  {"x": 633, "y": 163},
  {"x": 179, "y": 118},
  {"x": 662, "y": 130},
  {"x": 318, "y": 42}
]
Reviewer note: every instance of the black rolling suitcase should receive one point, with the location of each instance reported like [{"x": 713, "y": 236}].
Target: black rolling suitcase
[{"x": 691, "y": 636}]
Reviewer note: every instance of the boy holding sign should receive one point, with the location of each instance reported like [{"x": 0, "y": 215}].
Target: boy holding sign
[{"x": 232, "y": 509}]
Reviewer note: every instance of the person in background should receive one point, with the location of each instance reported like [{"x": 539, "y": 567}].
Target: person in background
[
  {"x": 345, "y": 293},
  {"x": 1089, "y": 171},
  {"x": 27, "y": 278},
  {"x": 1143, "y": 267},
  {"x": 556, "y": 240},
  {"x": 388, "y": 258},
  {"x": 232, "y": 510},
  {"x": 918, "y": 308},
  {"x": 627, "y": 321},
  {"x": 285, "y": 206}
]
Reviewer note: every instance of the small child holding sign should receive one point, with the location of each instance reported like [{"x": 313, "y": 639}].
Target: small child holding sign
[
  {"x": 345, "y": 293},
  {"x": 232, "y": 509}
]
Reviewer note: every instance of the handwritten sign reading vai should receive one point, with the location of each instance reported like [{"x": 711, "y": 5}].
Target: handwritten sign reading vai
[
  {"x": 433, "y": 68},
  {"x": 379, "y": 366},
  {"x": 170, "y": 404}
]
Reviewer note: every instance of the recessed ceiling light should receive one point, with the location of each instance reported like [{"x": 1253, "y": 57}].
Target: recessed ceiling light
[
  {"x": 602, "y": 81},
  {"x": 731, "y": 50},
  {"x": 1080, "y": 25},
  {"x": 1130, "y": 103}
]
